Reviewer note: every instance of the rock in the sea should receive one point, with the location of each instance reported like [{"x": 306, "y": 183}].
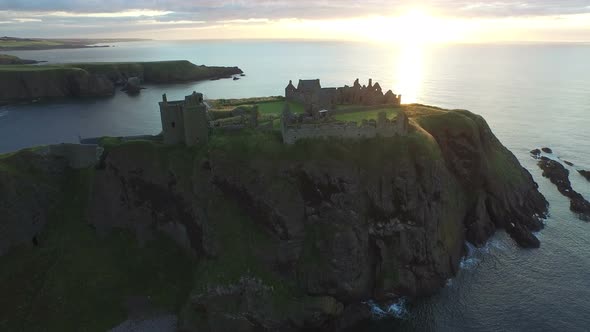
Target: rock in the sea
[
  {"x": 569, "y": 163},
  {"x": 559, "y": 176},
  {"x": 133, "y": 85},
  {"x": 585, "y": 174},
  {"x": 547, "y": 150},
  {"x": 536, "y": 153}
]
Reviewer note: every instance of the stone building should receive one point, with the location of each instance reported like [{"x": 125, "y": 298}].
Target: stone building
[
  {"x": 315, "y": 98},
  {"x": 293, "y": 129},
  {"x": 185, "y": 121}
]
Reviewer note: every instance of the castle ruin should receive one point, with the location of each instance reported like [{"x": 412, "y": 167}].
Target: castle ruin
[
  {"x": 294, "y": 128},
  {"x": 315, "y": 98},
  {"x": 185, "y": 121}
]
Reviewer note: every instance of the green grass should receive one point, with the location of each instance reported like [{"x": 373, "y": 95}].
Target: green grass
[
  {"x": 246, "y": 145},
  {"x": 241, "y": 246},
  {"x": 42, "y": 68},
  {"x": 9, "y": 59},
  {"x": 367, "y": 115},
  {"x": 228, "y": 103},
  {"x": 276, "y": 107},
  {"x": 106, "y": 67},
  {"x": 78, "y": 281},
  {"x": 15, "y": 164},
  {"x": 27, "y": 43}
]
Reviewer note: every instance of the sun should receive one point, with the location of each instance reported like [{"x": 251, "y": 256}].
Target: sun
[
  {"x": 416, "y": 27},
  {"x": 413, "y": 27}
]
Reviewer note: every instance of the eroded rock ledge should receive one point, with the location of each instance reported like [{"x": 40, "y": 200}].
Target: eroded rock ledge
[{"x": 559, "y": 176}]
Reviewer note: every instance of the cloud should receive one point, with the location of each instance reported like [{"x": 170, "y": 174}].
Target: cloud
[
  {"x": 100, "y": 17},
  {"x": 242, "y": 9}
]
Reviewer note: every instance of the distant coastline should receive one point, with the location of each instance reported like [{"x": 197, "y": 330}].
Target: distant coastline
[{"x": 37, "y": 44}]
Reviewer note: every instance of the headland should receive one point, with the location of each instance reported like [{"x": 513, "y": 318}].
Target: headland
[
  {"x": 27, "y": 83},
  {"x": 226, "y": 223}
]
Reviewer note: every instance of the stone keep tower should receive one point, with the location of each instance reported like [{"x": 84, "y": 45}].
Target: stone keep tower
[
  {"x": 196, "y": 124},
  {"x": 184, "y": 121},
  {"x": 172, "y": 121}
]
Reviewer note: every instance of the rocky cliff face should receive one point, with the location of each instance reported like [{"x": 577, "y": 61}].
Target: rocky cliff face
[
  {"x": 374, "y": 219},
  {"x": 293, "y": 237},
  {"x": 51, "y": 83},
  {"x": 97, "y": 79},
  {"x": 29, "y": 187}
]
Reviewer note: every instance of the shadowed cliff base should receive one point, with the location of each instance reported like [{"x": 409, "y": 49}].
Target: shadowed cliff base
[{"x": 275, "y": 236}]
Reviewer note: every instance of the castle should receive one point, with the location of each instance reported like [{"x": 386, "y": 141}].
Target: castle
[
  {"x": 188, "y": 121},
  {"x": 294, "y": 128},
  {"x": 315, "y": 98},
  {"x": 185, "y": 121}
]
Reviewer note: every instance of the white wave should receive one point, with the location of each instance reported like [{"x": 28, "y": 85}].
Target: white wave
[
  {"x": 473, "y": 256},
  {"x": 394, "y": 310},
  {"x": 468, "y": 263}
]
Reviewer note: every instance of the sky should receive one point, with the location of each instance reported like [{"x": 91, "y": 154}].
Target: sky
[{"x": 420, "y": 21}]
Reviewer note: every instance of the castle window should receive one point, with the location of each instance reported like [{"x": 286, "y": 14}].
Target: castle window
[{"x": 173, "y": 124}]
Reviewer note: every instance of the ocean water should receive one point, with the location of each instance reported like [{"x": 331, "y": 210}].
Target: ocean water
[{"x": 531, "y": 95}]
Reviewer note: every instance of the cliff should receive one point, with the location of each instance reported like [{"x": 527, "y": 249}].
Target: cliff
[
  {"x": 21, "y": 82},
  {"x": 158, "y": 71},
  {"x": 287, "y": 237},
  {"x": 13, "y": 60},
  {"x": 32, "y": 82}
]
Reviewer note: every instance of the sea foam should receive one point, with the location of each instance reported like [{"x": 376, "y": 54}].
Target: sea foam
[{"x": 396, "y": 309}]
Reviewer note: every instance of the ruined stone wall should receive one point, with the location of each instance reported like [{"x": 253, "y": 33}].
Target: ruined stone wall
[
  {"x": 366, "y": 129},
  {"x": 315, "y": 98},
  {"x": 361, "y": 108}
]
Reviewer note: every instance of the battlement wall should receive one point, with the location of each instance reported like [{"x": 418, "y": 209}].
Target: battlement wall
[
  {"x": 361, "y": 108},
  {"x": 366, "y": 129}
]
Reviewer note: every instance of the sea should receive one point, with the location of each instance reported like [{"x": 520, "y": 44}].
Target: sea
[{"x": 532, "y": 95}]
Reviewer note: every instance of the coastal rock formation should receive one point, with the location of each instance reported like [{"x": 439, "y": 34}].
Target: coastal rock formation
[
  {"x": 158, "y": 72},
  {"x": 585, "y": 174},
  {"x": 29, "y": 186},
  {"x": 559, "y": 176},
  {"x": 133, "y": 85},
  {"x": 14, "y": 60},
  {"x": 97, "y": 79},
  {"x": 293, "y": 237},
  {"x": 52, "y": 82}
]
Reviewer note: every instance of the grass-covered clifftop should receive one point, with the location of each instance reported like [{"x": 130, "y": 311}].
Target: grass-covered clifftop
[
  {"x": 246, "y": 231},
  {"x": 24, "y": 82},
  {"x": 14, "y": 60},
  {"x": 157, "y": 71},
  {"x": 13, "y": 43}
]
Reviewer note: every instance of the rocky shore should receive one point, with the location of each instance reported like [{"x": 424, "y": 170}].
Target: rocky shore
[
  {"x": 559, "y": 176},
  {"x": 279, "y": 238}
]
